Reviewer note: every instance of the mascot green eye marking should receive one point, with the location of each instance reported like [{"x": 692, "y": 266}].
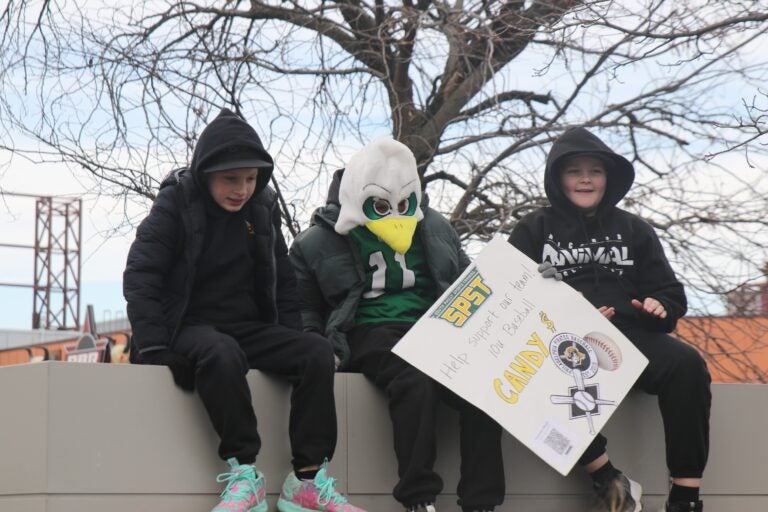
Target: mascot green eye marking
[
  {"x": 376, "y": 208},
  {"x": 407, "y": 206}
]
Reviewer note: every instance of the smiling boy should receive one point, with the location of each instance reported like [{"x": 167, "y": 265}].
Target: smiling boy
[
  {"x": 622, "y": 270},
  {"x": 211, "y": 294},
  {"x": 583, "y": 179}
]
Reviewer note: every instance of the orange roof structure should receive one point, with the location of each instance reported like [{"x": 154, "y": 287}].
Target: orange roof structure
[
  {"x": 735, "y": 347},
  {"x": 108, "y": 343}
]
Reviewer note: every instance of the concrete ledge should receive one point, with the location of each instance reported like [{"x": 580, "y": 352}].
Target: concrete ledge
[{"x": 88, "y": 437}]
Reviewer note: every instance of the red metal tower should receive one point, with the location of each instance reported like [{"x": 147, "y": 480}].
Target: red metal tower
[{"x": 56, "y": 287}]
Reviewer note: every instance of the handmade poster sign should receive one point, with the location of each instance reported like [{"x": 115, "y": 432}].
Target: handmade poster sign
[{"x": 529, "y": 351}]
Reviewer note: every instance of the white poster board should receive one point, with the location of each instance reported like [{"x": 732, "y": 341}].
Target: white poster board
[{"x": 529, "y": 351}]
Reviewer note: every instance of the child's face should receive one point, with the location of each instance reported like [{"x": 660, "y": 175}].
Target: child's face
[
  {"x": 232, "y": 189},
  {"x": 583, "y": 179}
]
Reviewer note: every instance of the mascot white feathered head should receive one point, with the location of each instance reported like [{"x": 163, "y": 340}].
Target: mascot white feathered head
[{"x": 380, "y": 189}]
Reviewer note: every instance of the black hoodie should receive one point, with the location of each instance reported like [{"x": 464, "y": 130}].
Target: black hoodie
[
  {"x": 182, "y": 236},
  {"x": 612, "y": 256}
]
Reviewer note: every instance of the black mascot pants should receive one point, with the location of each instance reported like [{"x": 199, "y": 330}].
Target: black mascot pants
[
  {"x": 678, "y": 375},
  {"x": 412, "y": 398},
  {"x": 222, "y": 357}
]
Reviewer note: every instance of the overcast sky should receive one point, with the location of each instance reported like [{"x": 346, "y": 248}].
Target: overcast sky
[{"x": 103, "y": 251}]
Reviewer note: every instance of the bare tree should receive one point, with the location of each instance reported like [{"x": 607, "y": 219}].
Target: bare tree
[{"x": 477, "y": 89}]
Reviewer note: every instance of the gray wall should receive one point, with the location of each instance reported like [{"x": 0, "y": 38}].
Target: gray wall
[{"x": 95, "y": 437}]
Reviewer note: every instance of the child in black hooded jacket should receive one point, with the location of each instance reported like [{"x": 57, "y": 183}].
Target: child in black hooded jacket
[
  {"x": 211, "y": 294},
  {"x": 616, "y": 261}
]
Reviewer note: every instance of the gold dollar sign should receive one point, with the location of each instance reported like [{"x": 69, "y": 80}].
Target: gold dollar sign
[{"x": 546, "y": 321}]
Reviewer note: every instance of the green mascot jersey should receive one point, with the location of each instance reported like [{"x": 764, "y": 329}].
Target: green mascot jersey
[{"x": 398, "y": 287}]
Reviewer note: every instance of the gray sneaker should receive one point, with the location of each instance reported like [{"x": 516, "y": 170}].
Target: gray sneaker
[
  {"x": 684, "y": 506},
  {"x": 422, "y": 507},
  {"x": 620, "y": 495}
]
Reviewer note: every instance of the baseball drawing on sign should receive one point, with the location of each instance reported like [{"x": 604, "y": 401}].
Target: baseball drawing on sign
[
  {"x": 607, "y": 351},
  {"x": 580, "y": 358}
]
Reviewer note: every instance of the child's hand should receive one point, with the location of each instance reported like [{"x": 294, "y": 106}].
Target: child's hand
[
  {"x": 651, "y": 306},
  {"x": 547, "y": 269},
  {"x": 607, "y": 311},
  {"x": 182, "y": 369}
]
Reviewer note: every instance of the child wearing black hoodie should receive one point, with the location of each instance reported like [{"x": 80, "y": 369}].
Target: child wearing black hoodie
[
  {"x": 616, "y": 261},
  {"x": 211, "y": 294}
]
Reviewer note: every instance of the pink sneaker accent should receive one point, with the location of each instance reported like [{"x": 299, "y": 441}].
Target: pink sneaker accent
[
  {"x": 245, "y": 491},
  {"x": 318, "y": 495}
]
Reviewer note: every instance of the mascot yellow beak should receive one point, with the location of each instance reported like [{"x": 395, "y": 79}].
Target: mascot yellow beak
[{"x": 396, "y": 232}]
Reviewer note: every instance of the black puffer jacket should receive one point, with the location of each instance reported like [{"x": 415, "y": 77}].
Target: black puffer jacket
[
  {"x": 162, "y": 260},
  {"x": 612, "y": 256}
]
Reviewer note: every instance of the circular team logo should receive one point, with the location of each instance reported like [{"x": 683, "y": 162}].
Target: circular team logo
[{"x": 570, "y": 352}]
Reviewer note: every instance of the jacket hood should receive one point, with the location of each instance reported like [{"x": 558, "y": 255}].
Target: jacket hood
[
  {"x": 579, "y": 141},
  {"x": 333, "y": 188},
  {"x": 328, "y": 214},
  {"x": 228, "y": 132}
]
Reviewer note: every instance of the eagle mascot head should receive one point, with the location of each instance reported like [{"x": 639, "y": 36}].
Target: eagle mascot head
[{"x": 381, "y": 190}]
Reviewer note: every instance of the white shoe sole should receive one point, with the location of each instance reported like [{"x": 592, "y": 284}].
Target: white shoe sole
[{"x": 636, "y": 491}]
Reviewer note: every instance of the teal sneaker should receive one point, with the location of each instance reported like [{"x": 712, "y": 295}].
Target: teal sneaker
[
  {"x": 318, "y": 495},
  {"x": 245, "y": 491}
]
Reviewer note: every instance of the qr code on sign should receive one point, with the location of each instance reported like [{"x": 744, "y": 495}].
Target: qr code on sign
[{"x": 558, "y": 442}]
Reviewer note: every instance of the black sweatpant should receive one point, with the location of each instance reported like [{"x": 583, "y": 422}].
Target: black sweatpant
[
  {"x": 222, "y": 357},
  {"x": 678, "y": 374},
  {"x": 413, "y": 397}
]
